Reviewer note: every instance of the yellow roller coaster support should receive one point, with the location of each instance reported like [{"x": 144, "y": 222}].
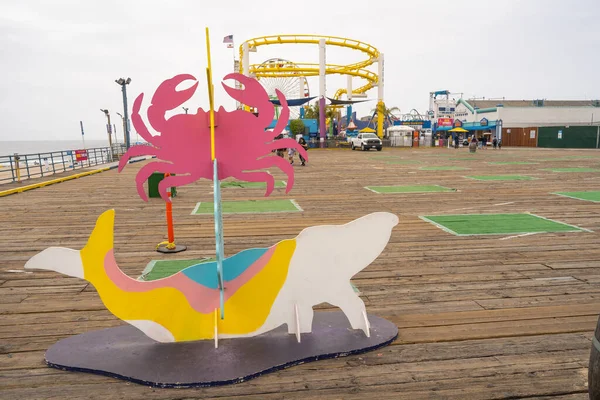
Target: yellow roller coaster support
[
  {"x": 380, "y": 108},
  {"x": 310, "y": 69}
]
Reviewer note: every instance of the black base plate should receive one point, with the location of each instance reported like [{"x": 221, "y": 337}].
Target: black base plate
[
  {"x": 126, "y": 353},
  {"x": 178, "y": 248}
]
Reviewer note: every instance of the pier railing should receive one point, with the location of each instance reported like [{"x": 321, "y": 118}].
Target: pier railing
[{"x": 19, "y": 167}]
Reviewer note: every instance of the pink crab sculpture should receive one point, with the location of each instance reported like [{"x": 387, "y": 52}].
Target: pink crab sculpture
[{"x": 242, "y": 146}]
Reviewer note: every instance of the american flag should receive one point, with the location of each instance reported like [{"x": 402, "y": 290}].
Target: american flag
[{"x": 228, "y": 39}]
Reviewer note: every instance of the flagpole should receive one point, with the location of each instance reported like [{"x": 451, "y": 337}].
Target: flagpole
[{"x": 82, "y": 134}]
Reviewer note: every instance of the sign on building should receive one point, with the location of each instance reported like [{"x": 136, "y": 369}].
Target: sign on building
[{"x": 445, "y": 121}]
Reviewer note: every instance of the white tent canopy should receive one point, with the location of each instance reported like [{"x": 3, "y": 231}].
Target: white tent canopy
[{"x": 399, "y": 129}]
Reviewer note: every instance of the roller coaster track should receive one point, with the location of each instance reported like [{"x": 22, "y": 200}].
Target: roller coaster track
[{"x": 311, "y": 69}]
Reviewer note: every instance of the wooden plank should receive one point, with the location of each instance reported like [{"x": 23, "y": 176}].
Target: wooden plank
[
  {"x": 497, "y": 329},
  {"x": 479, "y": 317}
]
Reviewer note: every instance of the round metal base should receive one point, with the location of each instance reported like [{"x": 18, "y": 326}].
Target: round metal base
[{"x": 178, "y": 248}]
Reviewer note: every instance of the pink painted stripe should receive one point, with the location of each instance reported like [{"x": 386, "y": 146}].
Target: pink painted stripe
[{"x": 202, "y": 299}]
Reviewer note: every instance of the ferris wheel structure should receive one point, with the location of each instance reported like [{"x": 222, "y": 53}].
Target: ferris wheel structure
[
  {"x": 293, "y": 85},
  {"x": 279, "y": 68}
]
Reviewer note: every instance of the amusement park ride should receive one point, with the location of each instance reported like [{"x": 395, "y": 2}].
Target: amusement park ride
[{"x": 291, "y": 76}]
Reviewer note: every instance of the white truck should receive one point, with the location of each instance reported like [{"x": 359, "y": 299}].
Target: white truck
[{"x": 366, "y": 141}]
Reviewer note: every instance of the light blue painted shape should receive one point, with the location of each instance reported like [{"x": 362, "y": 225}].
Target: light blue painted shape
[
  {"x": 469, "y": 107},
  {"x": 348, "y": 115},
  {"x": 234, "y": 266},
  {"x": 219, "y": 235}
]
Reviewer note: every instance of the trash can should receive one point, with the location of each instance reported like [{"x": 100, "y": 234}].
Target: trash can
[
  {"x": 472, "y": 147},
  {"x": 153, "y": 182}
]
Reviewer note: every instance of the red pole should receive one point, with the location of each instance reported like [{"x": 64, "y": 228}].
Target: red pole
[
  {"x": 170, "y": 234},
  {"x": 169, "y": 246}
]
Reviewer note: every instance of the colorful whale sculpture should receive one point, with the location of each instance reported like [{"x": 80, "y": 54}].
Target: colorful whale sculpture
[{"x": 264, "y": 288}]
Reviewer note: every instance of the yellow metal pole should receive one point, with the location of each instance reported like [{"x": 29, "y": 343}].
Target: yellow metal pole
[
  {"x": 380, "y": 107},
  {"x": 210, "y": 98}
]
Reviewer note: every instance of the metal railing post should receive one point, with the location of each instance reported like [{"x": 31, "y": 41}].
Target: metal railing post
[
  {"x": 12, "y": 169},
  {"x": 27, "y": 167},
  {"x": 40, "y": 161}
]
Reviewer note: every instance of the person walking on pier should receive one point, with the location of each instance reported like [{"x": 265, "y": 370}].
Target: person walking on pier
[{"x": 302, "y": 143}]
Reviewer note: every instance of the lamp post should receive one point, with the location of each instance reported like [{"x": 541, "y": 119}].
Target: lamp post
[
  {"x": 124, "y": 82},
  {"x": 185, "y": 109},
  {"x": 108, "y": 127},
  {"x": 124, "y": 127}
]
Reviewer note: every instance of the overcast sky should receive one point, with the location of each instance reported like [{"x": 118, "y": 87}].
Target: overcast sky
[{"x": 59, "y": 58}]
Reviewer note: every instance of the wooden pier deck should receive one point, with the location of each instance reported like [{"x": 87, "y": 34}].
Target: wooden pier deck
[{"x": 479, "y": 317}]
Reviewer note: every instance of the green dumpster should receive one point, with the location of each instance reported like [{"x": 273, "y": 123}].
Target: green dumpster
[{"x": 153, "y": 182}]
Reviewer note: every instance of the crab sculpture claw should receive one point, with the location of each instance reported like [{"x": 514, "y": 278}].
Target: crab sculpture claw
[
  {"x": 253, "y": 96},
  {"x": 167, "y": 98}
]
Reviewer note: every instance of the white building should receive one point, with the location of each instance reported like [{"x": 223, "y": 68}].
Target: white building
[{"x": 519, "y": 122}]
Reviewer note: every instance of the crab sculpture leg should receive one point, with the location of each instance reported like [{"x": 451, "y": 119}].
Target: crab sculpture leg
[
  {"x": 283, "y": 165},
  {"x": 136, "y": 151},
  {"x": 257, "y": 176},
  {"x": 287, "y": 144},
  {"x": 172, "y": 181},
  {"x": 145, "y": 172},
  {"x": 283, "y": 117}
]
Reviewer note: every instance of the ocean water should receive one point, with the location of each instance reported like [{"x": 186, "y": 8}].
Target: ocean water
[
  {"x": 43, "y": 146},
  {"x": 32, "y": 148}
]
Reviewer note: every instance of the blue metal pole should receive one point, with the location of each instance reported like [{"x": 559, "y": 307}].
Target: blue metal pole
[{"x": 348, "y": 116}]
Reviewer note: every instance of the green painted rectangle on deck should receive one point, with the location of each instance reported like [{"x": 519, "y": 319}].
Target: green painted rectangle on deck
[
  {"x": 569, "y": 158},
  {"x": 511, "y": 163},
  {"x": 159, "y": 269},
  {"x": 249, "y": 185},
  {"x": 410, "y": 189},
  {"x": 248, "y": 207},
  {"x": 447, "y": 168},
  {"x": 403, "y": 162},
  {"x": 574, "y": 169},
  {"x": 587, "y": 196},
  {"x": 501, "y": 178},
  {"x": 384, "y": 157},
  {"x": 577, "y": 157},
  {"x": 498, "y": 224}
]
